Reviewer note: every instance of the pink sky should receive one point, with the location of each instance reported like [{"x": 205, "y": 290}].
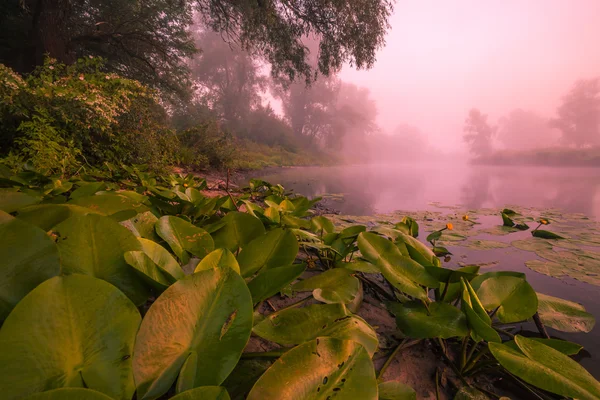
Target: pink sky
[{"x": 445, "y": 56}]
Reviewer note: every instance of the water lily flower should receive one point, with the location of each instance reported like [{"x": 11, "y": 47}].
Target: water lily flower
[
  {"x": 544, "y": 221},
  {"x": 185, "y": 185},
  {"x": 465, "y": 217},
  {"x": 449, "y": 226}
]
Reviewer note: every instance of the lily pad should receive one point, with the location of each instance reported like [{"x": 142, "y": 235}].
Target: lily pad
[
  {"x": 316, "y": 370},
  {"x": 337, "y": 285},
  {"x": 532, "y": 244},
  {"x": 394, "y": 390},
  {"x": 581, "y": 265},
  {"x": 438, "y": 320},
  {"x": 269, "y": 282},
  {"x": 565, "y": 347},
  {"x": 276, "y": 248},
  {"x": 46, "y": 216},
  {"x": 142, "y": 225},
  {"x": 546, "y": 234},
  {"x": 82, "y": 338},
  {"x": 194, "y": 332},
  {"x": 204, "y": 393},
  {"x": 546, "y": 368},
  {"x": 238, "y": 230},
  {"x": 69, "y": 394},
  {"x": 485, "y": 245},
  {"x": 402, "y": 272},
  {"x": 11, "y": 200},
  {"x": 513, "y": 296},
  {"x": 218, "y": 258},
  {"x": 95, "y": 245},
  {"x": 29, "y": 257},
  {"x": 564, "y": 315},
  {"x": 299, "y": 325},
  {"x": 184, "y": 238},
  {"x": 477, "y": 318}
]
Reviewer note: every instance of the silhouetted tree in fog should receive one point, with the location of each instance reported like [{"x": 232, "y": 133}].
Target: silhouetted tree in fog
[
  {"x": 523, "y": 129},
  {"x": 478, "y": 133},
  {"x": 578, "y": 117}
]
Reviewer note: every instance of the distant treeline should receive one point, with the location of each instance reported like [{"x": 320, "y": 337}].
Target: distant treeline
[{"x": 554, "y": 156}]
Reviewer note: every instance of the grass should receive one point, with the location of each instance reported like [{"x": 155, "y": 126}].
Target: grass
[{"x": 251, "y": 156}]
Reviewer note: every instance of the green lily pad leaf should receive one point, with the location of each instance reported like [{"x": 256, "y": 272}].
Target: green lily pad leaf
[
  {"x": 47, "y": 216},
  {"x": 321, "y": 224},
  {"x": 546, "y": 368},
  {"x": 441, "y": 321},
  {"x": 272, "y": 214},
  {"x": 486, "y": 244},
  {"x": 479, "y": 279},
  {"x": 269, "y": 282},
  {"x": 360, "y": 266},
  {"x": 149, "y": 271},
  {"x": 514, "y": 296},
  {"x": 69, "y": 394},
  {"x": 565, "y": 347},
  {"x": 506, "y": 220},
  {"x": 29, "y": 257},
  {"x": 273, "y": 249},
  {"x": 318, "y": 369},
  {"x": 402, "y": 272},
  {"x": 500, "y": 230},
  {"x": 546, "y": 234},
  {"x": 532, "y": 244},
  {"x": 239, "y": 230},
  {"x": 87, "y": 189},
  {"x": 477, "y": 318},
  {"x": 109, "y": 203},
  {"x": 451, "y": 275},
  {"x": 219, "y": 258},
  {"x": 294, "y": 222},
  {"x": 142, "y": 225},
  {"x": 83, "y": 338},
  {"x": 337, "y": 285},
  {"x": 184, "y": 238},
  {"x": 440, "y": 251},
  {"x": 454, "y": 289},
  {"x": 206, "y": 317},
  {"x": 204, "y": 393},
  {"x": 394, "y": 390},
  {"x": 162, "y": 258},
  {"x": 564, "y": 315},
  {"x": 418, "y": 251},
  {"x": 11, "y": 200},
  {"x": 352, "y": 231},
  {"x": 299, "y": 325},
  {"x": 435, "y": 235},
  {"x": 95, "y": 245}
]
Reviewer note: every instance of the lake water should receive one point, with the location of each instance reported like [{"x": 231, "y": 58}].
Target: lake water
[
  {"x": 374, "y": 189},
  {"x": 380, "y": 189}
]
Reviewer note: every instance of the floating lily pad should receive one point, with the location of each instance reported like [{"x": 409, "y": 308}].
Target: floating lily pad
[
  {"x": 338, "y": 285},
  {"x": 438, "y": 320},
  {"x": 564, "y": 315},
  {"x": 485, "y": 245},
  {"x": 532, "y": 244},
  {"x": 581, "y": 265}
]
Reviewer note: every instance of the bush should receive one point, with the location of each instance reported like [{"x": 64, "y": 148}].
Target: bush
[
  {"x": 206, "y": 145},
  {"x": 60, "y": 117}
]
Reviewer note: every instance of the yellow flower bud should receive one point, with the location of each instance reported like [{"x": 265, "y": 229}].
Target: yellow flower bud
[
  {"x": 465, "y": 217},
  {"x": 449, "y": 226}
]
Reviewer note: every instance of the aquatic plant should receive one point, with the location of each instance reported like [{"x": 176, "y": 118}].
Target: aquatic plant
[{"x": 119, "y": 282}]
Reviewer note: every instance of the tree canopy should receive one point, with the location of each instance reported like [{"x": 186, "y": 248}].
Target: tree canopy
[{"x": 151, "y": 41}]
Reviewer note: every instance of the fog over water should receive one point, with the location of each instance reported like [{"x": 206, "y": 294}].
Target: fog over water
[{"x": 444, "y": 58}]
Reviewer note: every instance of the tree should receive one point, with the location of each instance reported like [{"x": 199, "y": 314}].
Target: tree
[
  {"x": 523, "y": 129},
  {"x": 149, "y": 40},
  {"x": 229, "y": 78},
  {"x": 578, "y": 116},
  {"x": 478, "y": 133}
]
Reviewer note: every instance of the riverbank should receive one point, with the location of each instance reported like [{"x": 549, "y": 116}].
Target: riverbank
[{"x": 553, "y": 156}]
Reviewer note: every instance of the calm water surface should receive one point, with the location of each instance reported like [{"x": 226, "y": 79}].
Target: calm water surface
[
  {"x": 378, "y": 189},
  {"x": 374, "y": 189}
]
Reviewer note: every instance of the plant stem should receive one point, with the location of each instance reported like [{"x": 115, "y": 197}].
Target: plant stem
[
  {"x": 445, "y": 289},
  {"x": 390, "y": 359},
  {"x": 540, "y": 325},
  {"x": 463, "y": 352},
  {"x": 494, "y": 312},
  {"x": 473, "y": 361},
  {"x": 507, "y": 333}
]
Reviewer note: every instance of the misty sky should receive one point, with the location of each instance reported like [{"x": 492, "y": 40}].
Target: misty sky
[{"x": 444, "y": 57}]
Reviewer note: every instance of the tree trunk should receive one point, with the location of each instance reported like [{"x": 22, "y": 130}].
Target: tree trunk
[{"x": 50, "y": 31}]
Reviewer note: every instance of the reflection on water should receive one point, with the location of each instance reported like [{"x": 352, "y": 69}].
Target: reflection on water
[{"x": 384, "y": 188}]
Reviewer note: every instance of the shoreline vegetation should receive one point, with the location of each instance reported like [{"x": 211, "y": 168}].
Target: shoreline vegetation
[
  {"x": 549, "y": 157},
  {"x": 256, "y": 280}
]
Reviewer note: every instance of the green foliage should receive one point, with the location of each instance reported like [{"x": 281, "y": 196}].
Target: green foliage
[
  {"x": 60, "y": 117},
  {"x": 199, "y": 265}
]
